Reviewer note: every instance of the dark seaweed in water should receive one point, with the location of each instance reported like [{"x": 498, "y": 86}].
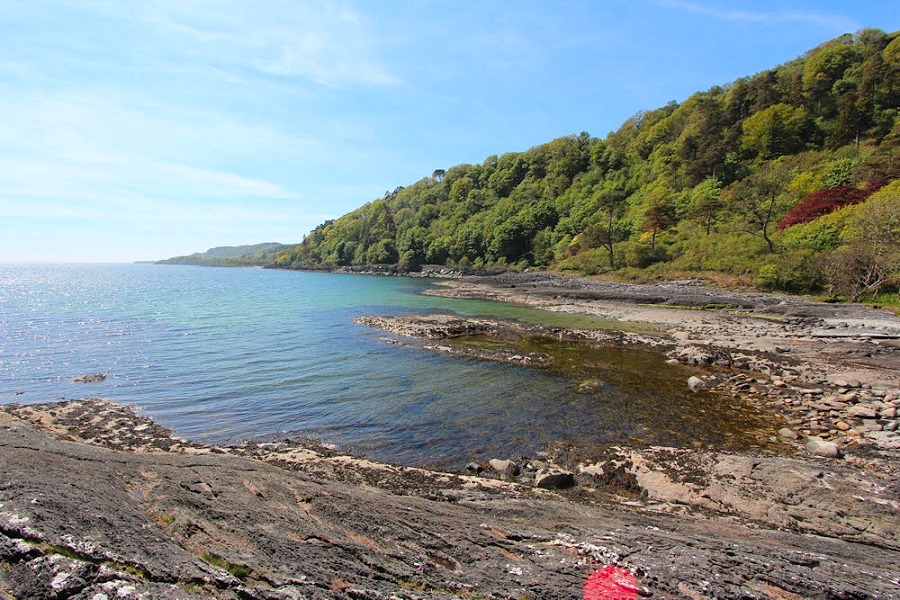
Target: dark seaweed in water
[{"x": 634, "y": 396}]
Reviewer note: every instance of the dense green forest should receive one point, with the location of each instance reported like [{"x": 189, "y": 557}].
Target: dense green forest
[
  {"x": 231, "y": 256},
  {"x": 785, "y": 180}
]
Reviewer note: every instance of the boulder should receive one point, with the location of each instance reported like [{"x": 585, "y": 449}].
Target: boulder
[
  {"x": 846, "y": 383},
  {"x": 553, "y": 479},
  {"x": 787, "y": 434},
  {"x": 695, "y": 383},
  {"x": 504, "y": 467},
  {"x": 819, "y": 447}
]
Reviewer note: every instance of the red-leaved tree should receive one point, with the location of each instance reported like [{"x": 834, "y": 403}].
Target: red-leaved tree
[{"x": 823, "y": 202}]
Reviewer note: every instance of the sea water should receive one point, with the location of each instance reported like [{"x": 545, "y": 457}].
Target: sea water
[{"x": 225, "y": 355}]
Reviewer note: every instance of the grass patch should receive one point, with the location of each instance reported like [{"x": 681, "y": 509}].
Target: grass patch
[
  {"x": 240, "y": 571},
  {"x": 889, "y": 301},
  {"x": 163, "y": 518}
]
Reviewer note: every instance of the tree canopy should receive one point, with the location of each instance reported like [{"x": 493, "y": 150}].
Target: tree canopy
[{"x": 691, "y": 186}]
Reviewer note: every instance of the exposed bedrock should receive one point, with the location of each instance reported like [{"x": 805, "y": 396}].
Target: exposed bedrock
[{"x": 86, "y": 521}]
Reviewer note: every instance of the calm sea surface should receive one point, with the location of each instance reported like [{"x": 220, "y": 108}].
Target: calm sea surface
[{"x": 231, "y": 354}]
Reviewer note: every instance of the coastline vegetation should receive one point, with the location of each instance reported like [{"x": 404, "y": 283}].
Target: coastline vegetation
[
  {"x": 786, "y": 180},
  {"x": 257, "y": 255}
]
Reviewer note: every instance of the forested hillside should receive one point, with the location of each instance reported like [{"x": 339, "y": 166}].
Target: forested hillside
[
  {"x": 785, "y": 179},
  {"x": 230, "y": 256}
]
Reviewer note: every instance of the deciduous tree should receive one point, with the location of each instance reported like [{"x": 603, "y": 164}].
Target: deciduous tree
[{"x": 760, "y": 198}]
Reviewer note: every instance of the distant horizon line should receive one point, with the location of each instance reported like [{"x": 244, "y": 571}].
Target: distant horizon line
[{"x": 77, "y": 262}]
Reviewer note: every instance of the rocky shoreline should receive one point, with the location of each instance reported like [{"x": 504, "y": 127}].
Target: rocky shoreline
[
  {"x": 435, "y": 271},
  {"x": 97, "y": 501}
]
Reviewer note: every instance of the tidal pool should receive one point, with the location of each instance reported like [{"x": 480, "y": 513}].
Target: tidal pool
[{"x": 633, "y": 396}]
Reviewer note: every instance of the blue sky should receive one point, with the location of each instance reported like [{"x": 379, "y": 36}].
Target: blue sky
[{"x": 141, "y": 130}]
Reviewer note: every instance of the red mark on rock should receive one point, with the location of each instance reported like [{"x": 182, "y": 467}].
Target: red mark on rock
[{"x": 611, "y": 583}]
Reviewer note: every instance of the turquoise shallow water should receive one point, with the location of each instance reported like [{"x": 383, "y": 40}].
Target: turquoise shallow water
[{"x": 230, "y": 354}]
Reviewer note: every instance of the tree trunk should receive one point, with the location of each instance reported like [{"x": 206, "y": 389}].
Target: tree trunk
[
  {"x": 766, "y": 237},
  {"x": 764, "y": 221},
  {"x": 609, "y": 240}
]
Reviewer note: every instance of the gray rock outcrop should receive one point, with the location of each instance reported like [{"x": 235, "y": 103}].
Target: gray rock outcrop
[{"x": 180, "y": 520}]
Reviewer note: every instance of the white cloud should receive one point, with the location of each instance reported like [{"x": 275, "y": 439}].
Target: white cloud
[
  {"x": 324, "y": 42},
  {"x": 76, "y": 147},
  {"x": 42, "y": 189},
  {"x": 210, "y": 183},
  {"x": 324, "y": 60},
  {"x": 838, "y": 23}
]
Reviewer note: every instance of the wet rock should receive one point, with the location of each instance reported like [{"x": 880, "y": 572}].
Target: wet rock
[
  {"x": 819, "y": 447},
  {"x": 93, "y": 378},
  {"x": 474, "y": 467},
  {"x": 553, "y": 479},
  {"x": 590, "y": 385}
]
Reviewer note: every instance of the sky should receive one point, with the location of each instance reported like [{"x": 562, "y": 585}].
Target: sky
[{"x": 146, "y": 129}]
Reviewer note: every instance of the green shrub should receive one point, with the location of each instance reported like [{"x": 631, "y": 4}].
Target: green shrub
[
  {"x": 737, "y": 253},
  {"x": 640, "y": 255},
  {"x": 796, "y": 272},
  {"x": 589, "y": 262}
]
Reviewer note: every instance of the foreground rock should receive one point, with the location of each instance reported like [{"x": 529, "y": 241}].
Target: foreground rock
[
  {"x": 162, "y": 518},
  {"x": 854, "y": 500}
]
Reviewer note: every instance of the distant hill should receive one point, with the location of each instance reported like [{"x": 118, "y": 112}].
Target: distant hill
[
  {"x": 231, "y": 256},
  {"x": 782, "y": 180}
]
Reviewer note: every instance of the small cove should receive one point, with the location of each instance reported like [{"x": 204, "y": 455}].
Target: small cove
[
  {"x": 638, "y": 397},
  {"x": 232, "y": 354}
]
